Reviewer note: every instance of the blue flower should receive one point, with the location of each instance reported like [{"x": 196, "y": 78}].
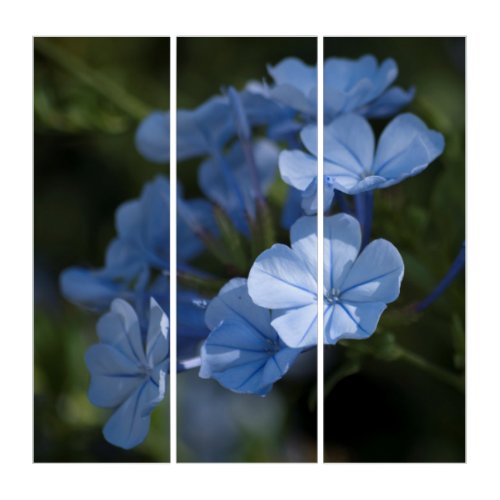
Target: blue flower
[
  {"x": 357, "y": 287},
  {"x": 143, "y": 231},
  {"x": 405, "y": 148},
  {"x": 128, "y": 371},
  {"x": 351, "y": 163},
  {"x": 360, "y": 86},
  {"x": 243, "y": 352},
  {"x": 295, "y": 85},
  {"x": 141, "y": 246}
]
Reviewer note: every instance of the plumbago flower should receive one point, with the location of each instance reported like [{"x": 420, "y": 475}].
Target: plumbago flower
[
  {"x": 128, "y": 370},
  {"x": 360, "y": 86},
  {"x": 357, "y": 285},
  {"x": 352, "y": 164},
  {"x": 243, "y": 351},
  {"x": 140, "y": 249}
]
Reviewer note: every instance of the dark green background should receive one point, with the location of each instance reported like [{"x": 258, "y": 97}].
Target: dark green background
[{"x": 392, "y": 411}]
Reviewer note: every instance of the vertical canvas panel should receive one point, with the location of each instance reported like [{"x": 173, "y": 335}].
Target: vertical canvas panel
[
  {"x": 246, "y": 300},
  {"x": 394, "y": 141},
  {"x": 101, "y": 249}
]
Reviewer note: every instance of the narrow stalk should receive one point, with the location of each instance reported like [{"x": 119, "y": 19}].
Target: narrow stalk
[
  {"x": 396, "y": 352},
  {"x": 188, "y": 364},
  {"x": 94, "y": 79},
  {"x": 367, "y": 229},
  {"x": 436, "y": 371},
  {"x": 455, "y": 268},
  {"x": 364, "y": 214},
  {"x": 343, "y": 202},
  {"x": 359, "y": 209},
  {"x": 199, "y": 283}
]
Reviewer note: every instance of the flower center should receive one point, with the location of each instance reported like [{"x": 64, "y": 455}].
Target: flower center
[
  {"x": 272, "y": 346},
  {"x": 332, "y": 296}
]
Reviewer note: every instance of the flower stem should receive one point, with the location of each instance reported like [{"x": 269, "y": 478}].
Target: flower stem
[
  {"x": 455, "y": 268},
  {"x": 364, "y": 213},
  {"x": 393, "y": 352},
  {"x": 188, "y": 364},
  {"x": 436, "y": 371},
  {"x": 94, "y": 79},
  {"x": 343, "y": 202}
]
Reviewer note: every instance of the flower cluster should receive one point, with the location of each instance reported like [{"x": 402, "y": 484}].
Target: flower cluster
[{"x": 247, "y": 323}]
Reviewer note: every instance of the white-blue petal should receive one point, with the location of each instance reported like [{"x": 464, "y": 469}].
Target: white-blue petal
[
  {"x": 346, "y": 320},
  {"x": 376, "y": 275},
  {"x": 342, "y": 243},
  {"x": 233, "y": 302},
  {"x": 297, "y": 328},
  {"x": 304, "y": 242},
  {"x": 298, "y": 169},
  {"x": 349, "y": 144},
  {"x": 405, "y": 148},
  {"x": 280, "y": 279}
]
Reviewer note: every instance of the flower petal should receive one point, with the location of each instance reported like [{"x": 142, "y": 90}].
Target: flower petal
[
  {"x": 349, "y": 144},
  {"x": 346, "y": 320},
  {"x": 297, "y": 327},
  {"x": 298, "y": 169},
  {"x": 234, "y": 303},
  {"x": 304, "y": 242},
  {"x": 152, "y": 138},
  {"x": 376, "y": 275},
  {"x": 390, "y": 102},
  {"x": 120, "y": 329},
  {"x": 405, "y": 148},
  {"x": 157, "y": 345},
  {"x": 129, "y": 425},
  {"x": 113, "y": 376},
  {"x": 88, "y": 289},
  {"x": 236, "y": 355},
  {"x": 280, "y": 279},
  {"x": 341, "y": 247}
]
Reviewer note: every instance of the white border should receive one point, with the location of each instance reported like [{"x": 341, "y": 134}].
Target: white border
[{"x": 22, "y": 20}]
